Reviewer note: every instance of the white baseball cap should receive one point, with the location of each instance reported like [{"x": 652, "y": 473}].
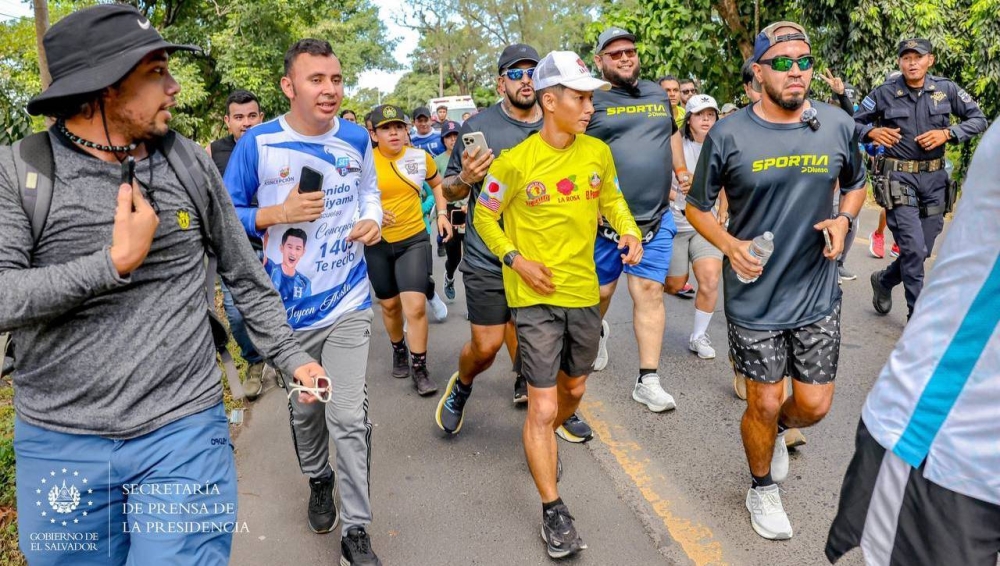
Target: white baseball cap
[
  {"x": 567, "y": 69},
  {"x": 699, "y": 102}
]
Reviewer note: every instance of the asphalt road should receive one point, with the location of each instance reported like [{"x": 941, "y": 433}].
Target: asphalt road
[{"x": 649, "y": 489}]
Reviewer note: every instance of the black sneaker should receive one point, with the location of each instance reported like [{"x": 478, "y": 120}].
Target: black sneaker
[
  {"x": 559, "y": 533},
  {"x": 881, "y": 297},
  {"x": 423, "y": 382},
  {"x": 520, "y": 390},
  {"x": 575, "y": 430},
  {"x": 449, "y": 288},
  {"x": 401, "y": 362},
  {"x": 356, "y": 549},
  {"x": 441, "y": 251},
  {"x": 323, "y": 516},
  {"x": 451, "y": 408}
]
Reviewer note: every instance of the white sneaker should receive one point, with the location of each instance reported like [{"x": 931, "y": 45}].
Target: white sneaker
[
  {"x": 652, "y": 395},
  {"x": 437, "y": 309},
  {"x": 779, "y": 460},
  {"x": 602, "y": 349},
  {"x": 767, "y": 515},
  {"x": 703, "y": 346}
]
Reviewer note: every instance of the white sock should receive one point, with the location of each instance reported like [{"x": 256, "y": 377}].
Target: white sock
[{"x": 701, "y": 320}]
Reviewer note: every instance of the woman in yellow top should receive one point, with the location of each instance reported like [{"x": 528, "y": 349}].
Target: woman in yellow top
[{"x": 400, "y": 266}]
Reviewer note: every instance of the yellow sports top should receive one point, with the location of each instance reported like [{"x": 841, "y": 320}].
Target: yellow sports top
[{"x": 401, "y": 180}]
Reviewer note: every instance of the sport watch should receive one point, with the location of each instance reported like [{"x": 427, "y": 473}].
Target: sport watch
[
  {"x": 508, "y": 259},
  {"x": 850, "y": 220}
]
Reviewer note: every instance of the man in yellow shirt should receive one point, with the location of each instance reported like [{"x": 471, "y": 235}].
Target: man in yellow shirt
[{"x": 550, "y": 189}]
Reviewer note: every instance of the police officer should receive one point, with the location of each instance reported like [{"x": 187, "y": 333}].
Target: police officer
[{"x": 914, "y": 116}]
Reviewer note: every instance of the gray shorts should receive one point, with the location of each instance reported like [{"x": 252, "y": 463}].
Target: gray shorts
[
  {"x": 689, "y": 247},
  {"x": 551, "y": 338}
]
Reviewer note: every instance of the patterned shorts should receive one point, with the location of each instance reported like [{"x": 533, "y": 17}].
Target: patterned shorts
[{"x": 808, "y": 354}]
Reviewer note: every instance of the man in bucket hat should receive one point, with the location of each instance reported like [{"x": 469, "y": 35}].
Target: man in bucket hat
[{"x": 121, "y": 436}]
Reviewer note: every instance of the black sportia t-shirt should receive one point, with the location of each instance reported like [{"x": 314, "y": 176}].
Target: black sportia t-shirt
[{"x": 780, "y": 178}]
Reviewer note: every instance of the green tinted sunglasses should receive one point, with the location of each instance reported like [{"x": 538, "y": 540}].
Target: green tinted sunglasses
[{"x": 784, "y": 64}]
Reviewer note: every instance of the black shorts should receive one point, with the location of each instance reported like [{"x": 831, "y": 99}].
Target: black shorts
[
  {"x": 552, "y": 338},
  {"x": 400, "y": 266},
  {"x": 808, "y": 354},
  {"x": 485, "y": 299},
  {"x": 900, "y": 518}
]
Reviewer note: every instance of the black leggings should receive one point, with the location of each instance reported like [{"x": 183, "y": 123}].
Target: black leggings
[{"x": 454, "y": 249}]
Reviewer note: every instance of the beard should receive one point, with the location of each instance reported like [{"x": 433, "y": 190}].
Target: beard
[
  {"x": 791, "y": 103},
  {"x": 617, "y": 78},
  {"x": 518, "y": 101}
]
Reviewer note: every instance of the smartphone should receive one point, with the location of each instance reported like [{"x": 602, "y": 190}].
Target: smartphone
[
  {"x": 826, "y": 237},
  {"x": 128, "y": 171},
  {"x": 457, "y": 217},
  {"x": 475, "y": 139},
  {"x": 310, "y": 180}
]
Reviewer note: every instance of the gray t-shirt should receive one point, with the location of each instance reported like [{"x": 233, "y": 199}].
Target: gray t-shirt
[
  {"x": 502, "y": 133},
  {"x": 121, "y": 357},
  {"x": 780, "y": 178},
  {"x": 637, "y": 124}
]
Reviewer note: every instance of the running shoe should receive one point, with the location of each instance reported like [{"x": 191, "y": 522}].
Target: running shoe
[
  {"x": 894, "y": 250},
  {"x": 881, "y": 297},
  {"x": 422, "y": 381},
  {"x": 451, "y": 408},
  {"x": 323, "y": 516},
  {"x": 794, "y": 438},
  {"x": 876, "y": 245},
  {"x": 254, "y": 383},
  {"x": 779, "y": 459},
  {"x": 441, "y": 251},
  {"x": 575, "y": 430},
  {"x": 559, "y": 534},
  {"x": 449, "y": 289},
  {"x": 687, "y": 292},
  {"x": 649, "y": 392},
  {"x": 740, "y": 386},
  {"x": 767, "y": 515},
  {"x": 844, "y": 274},
  {"x": 401, "y": 362},
  {"x": 602, "y": 348},
  {"x": 520, "y": 390},
  {"x": 702, "y": 345},
  {"x": 436, "y": 308},
  {"x": 356, "y": 549}
]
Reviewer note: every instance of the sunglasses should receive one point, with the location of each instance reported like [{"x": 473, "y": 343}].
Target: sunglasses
[
  {"x": 784, "y": 64},
  {"x": 619, "y": 53},
  {"x": 689, "y": 91},
  {"x": 323, "y": 392},
  {"x": 518, "y": 74}
]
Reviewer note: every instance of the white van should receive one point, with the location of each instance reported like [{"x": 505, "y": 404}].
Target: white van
[{"x": 457, "y": 105}]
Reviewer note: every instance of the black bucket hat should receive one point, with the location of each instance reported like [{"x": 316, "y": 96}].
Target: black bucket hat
[{"x": 93, "y": 48}]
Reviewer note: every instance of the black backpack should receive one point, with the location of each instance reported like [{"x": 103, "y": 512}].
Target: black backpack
[{"x": 35, "y": 168}]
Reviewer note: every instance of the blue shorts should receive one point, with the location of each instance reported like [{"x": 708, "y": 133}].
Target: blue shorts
[
  {"x": 168, "y": 497},
  {"x": 655, "y": 256}
]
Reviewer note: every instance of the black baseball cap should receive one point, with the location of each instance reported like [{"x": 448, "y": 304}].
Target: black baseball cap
[
  {"x": 612, "y": 34},
  {"x": 93, "y": 48},
  {"x": 386, "y": 114},
  {"x": 513, "y": 54},
  {"x": 918, "y": 44},
  {"x": 449, "y": 127},
  {"x": 421, "y": 111}
]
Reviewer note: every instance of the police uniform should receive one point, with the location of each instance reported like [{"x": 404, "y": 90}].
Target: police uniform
[{"x": 919, "y": 175}]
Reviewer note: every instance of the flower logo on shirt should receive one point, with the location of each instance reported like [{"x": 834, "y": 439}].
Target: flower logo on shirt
[{"x": 567, "y": 185}]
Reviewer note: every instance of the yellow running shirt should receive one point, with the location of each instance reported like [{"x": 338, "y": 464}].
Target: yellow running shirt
[
  {"x": 550, "y": 199},
  {"x": 401, "y": 181}
]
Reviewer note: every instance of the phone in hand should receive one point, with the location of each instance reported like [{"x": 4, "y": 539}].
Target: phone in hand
[
  {"x": 310, "y": 180},
  {"x": 475, "y": 139},
  {"x": 457, "y": 217},
  {"x": 128, "y": 171},
  {"x": 826, "y": 237}
]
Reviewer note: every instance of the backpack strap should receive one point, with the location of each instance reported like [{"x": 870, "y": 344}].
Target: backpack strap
[
  {"x": 35, "y": 167},
  {"x": 184, "y": 164}
]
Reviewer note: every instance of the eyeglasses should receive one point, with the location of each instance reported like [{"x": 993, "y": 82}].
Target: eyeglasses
[
  {"x": 689, "y": 91},
  {"x": 784, "y": 64},
  {"x": 518, "y": 74},
  {"x": 619, "y": 53}
]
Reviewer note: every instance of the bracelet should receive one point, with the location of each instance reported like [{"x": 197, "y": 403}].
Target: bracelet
[
  {"x": 463, "y": 181},
  {"x": 442, "y": 213}
]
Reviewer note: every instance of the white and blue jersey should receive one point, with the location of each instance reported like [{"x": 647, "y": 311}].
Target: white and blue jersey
[
  {"x": 431, "y": 143},
  {"x": 331, "y": 278},
  {"x": 936, "y": 401}
]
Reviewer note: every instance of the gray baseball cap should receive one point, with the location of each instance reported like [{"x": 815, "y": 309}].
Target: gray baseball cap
[{"x": 612, "y": 34}]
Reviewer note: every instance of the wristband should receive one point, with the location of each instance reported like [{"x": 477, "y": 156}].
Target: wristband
[{"x": 442, "y": 213}]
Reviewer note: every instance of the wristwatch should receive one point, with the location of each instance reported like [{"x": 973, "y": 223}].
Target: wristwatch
[
  {"x": 850, "y": 220},
  {"x": 508, "y": 259}
]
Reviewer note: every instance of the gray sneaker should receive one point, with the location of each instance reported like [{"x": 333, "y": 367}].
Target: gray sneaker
[
  {"x": 702, "y": 346},
  {"x": 254, "y": 383},
  {"x": 559, "y": 533}
]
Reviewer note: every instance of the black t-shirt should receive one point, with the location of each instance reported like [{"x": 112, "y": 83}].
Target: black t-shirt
[
  {"x": 222, "y": 149},
  {"x": 780, "y": 178},
  {"x": 637, "y": 124},
  {"x": 502, "y": 133}
]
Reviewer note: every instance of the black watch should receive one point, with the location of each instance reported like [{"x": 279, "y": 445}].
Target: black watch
[
  {"x": 850, "y": 220},
  {"x": 508, "y": 259}
]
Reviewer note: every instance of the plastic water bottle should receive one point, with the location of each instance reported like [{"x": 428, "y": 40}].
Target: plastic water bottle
[
  {"x": 761, "y": 248},
  {"x": 680, "y": 202}
]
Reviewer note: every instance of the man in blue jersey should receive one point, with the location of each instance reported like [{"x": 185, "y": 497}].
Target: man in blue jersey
[
  {"x": 425, "y": 136},
  {"x": 326, "y": 297},
  {"x": 923, "y": 487}
]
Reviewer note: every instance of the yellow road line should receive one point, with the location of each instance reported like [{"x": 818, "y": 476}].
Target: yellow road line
[{"x": 696, "y": 540}]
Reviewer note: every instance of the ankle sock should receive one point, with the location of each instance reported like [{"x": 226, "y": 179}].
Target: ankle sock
[
  {"x": 463, "y": 388},
  {"x": 401, "y": 345},
  {"x": 781, "y": 428},
  {"x": 418, "y": 360},
  {"x": 551, "y": 504},
  {"x": 762, "y": 481},
  {"x": 643, "y": 372}
]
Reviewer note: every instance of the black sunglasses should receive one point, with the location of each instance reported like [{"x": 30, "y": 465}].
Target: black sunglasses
[
  {"x": 517, "y": 74},
  {"x": 784, "y": 64}
]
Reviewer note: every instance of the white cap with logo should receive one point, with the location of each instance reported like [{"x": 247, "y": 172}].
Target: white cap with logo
[
  {"x": 567, "y": 69},
  {"x": 700, "y": 102}
]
